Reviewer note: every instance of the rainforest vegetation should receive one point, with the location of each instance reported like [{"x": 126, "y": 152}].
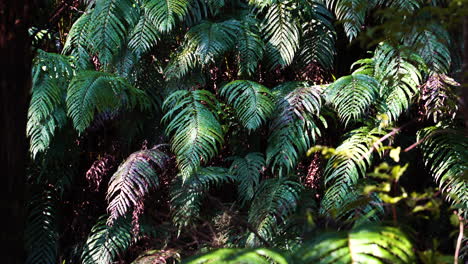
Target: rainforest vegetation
[{"x": 236, "y": 131}]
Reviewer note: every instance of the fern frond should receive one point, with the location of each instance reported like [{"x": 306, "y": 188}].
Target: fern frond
[
  {"x": 144, "y": 36},
  {"x": 406, "y": 5},
  {"x": 446, "y": 158},
  {"x": 351, "y": 13},
  {"x": 250, "y": 46},
  {"x": 252, "y": 102},
  {"x": 187, "y": 196},
  {"x": 374, "y": 244},
  {"x": 246, "y": 171},
  {"x": 281, "y": 33},
  {"x": 432, "y": 44},
  {"x": 349, "y": 164},
  {"x": 352, "y": 96},
  {"x": 183, "y": 61},
  {"x": 274, "y": 200},
  {"x": 105, "y": 243},
  {"x": 164, "y": 13},
  {"x": 439, "y": 98},
  {"x": 92, "y": 91},
  {"x": 213, "y": 39},
  {"x": 195, "y": 130},
  {"x": 295, "y": 126},
  {"x": 238, "y": 255},
  {"x": 51, "y": 74},
  {"x": 318, "y": 37},
  {"x": 111, "y": 22},
  {"x": 78, "y": 43},
  {"x": 134, "y": 178},
  {"x": 42, "y": 228}
]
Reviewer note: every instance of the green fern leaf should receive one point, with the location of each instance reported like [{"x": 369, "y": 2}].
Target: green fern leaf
[
  {"x": 352, "y": 96},
  {"x": 92, "y": 91},
  {"x": 195, "y": 129},
  {"x": 252, "y": 102},
  {"x": 247, "y": 171},
  {"x": 132, "y": 181},
  {"x": 111, "y": 21},
  {"x": 78, "y": 42},
  {"x": 187, "y": 196},
  {"x": 274, "y": 200},
  {"x": 42, "y": 228},
  {"x": 295, "y": 126},
  {"x": 183, "y": 61},
  {"x": 351, "y": 13},
  {"x": 374, "y": 244},
  {"x": 164, "y": 13},
  {"x": 281, "y": 34},
  {"x": 105, "y": 243},
  {"x": 250, "y": 46},
  {"x": 144, "y": 36}
]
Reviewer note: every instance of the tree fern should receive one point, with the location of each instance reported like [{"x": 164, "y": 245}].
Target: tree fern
[
  {"x": 274, "y": 200},
  {"x": 105, "y": 243},
  {"x": 78, "y": 42},
  {"x": 187, "y": 196},
  {"x": 238, "y": 255},
  {"x": 51, "y": 74},
  {"x": 246, "y": 171},
  {"x": 349, "y": 163},
  {"x": 42, "y": 228},
  {"x": 144, "y": 36},
  {"x": 351, "y": 13},
  {"x": 352, "y": 96},
  {"x": 250, "y": 46},
  {"x": 111, "y": 22},
  {"x": 295, "y": 125},
  {"x": 164, "y": 13},
  {"x": 212, "y": 39},
  {"x": 370, "y": 244},
  {"x": 432, "y": 43},
  {"x": 133, "y": 180},
  {"x": 281, "y": 34},
  {"x": 194, "y": 127},
  {"x": 92, "y": 91},
  {"x": 446, "y": 158},
  {"x": 252, "y": 102}
]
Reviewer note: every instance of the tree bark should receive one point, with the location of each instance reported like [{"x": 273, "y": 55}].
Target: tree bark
[{"x": 15, "y": 85}]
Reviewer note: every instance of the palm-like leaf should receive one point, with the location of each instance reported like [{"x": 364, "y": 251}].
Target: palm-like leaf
[
  {"x": 51, "y": 74},
  {"x": 274, "y": 200},
  {"x": 42, "y": 229},
  {"x": 246, "y": 171},
  {"x": 352, "y": 96},
  {"x": 295, "y": 125},
  {"x": 351, "y": 13},
  {"x": 111, "y": 22},
  {"x": 445, "y": 155},
  {"x": 252, "y": 102},
  {"x": 144, "y": 36},
  {"x": 432, "y": 44},
  {"x": 91, "y": 90},
  {"x": 133, "y": 180},
  {"x": 237, "y": 255},
  {"x": 187, "y": 196},
  {"x": 184, "y": 61},
  {"x": 439, "y": 98},
  {"x": 375, "y": 244},
  {"x": 105, "y": 243},
  {"x": 250, "y": 45},
  {"x": 281, "y": 34},
  {"x": 163, "y": 13},
  {"x": 213, "y": 39},
  {"x": 78, "y": 43},
  {"x": 195, "y": 129},
  {"x": 349, "y": 163}
]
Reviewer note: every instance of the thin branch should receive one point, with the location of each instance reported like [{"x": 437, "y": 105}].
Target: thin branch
[{"x": 460, "y": 237}]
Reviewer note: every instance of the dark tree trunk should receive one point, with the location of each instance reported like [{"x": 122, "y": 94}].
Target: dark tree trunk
[
  {"x": 465, "y": 72},
  {"x": 15, "y": 85}
]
